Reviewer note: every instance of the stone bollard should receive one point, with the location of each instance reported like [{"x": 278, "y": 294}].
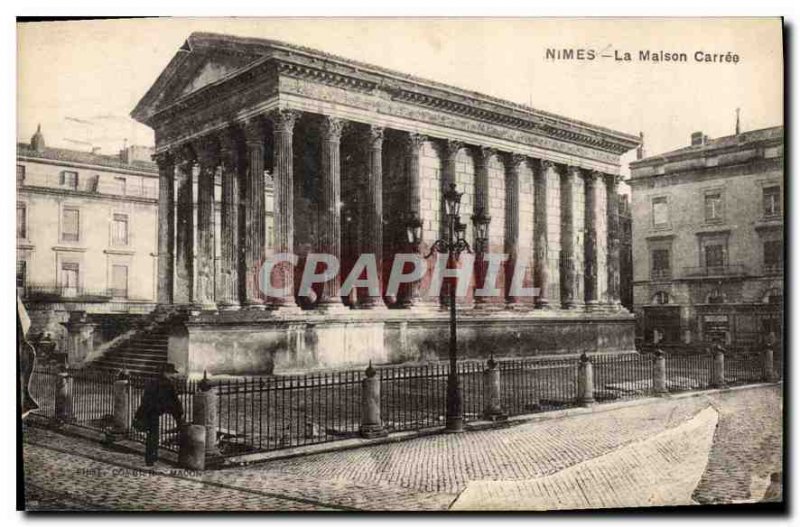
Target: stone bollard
[
  {"x": 769, "y": 364},
  {"x": 122, "y": 403},
  {"x": 63, "y": 399},
  {"x": 659, "y": 373},
  {"x": 205, "y": 413},
  {"x": 585, "y": 381},
  {"x": 718, "y": 369},
  {"x": 491, "y": 387},
  {"x": 371, "y": 425},
  {"x": 192, "y": 453}
]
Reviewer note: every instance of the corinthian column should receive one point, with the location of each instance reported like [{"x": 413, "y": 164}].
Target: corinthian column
[
  {"x": 568, "y": 286},
  {"x": 511, "y": 246},
  {"x": 373, "y": 222},
  {"x": 166, "y": 227},
  {"x": 283, "y": 122},
  {"x": 254, "y": 214},
  {"x": 331, "y": 224},
  {"x": 208, "y": 157},
  {"x": 413, "y": 146},
  {"x": 483, "y": 155},
  {"x": 184, "y": 243},
  {"x": 612, "y": 258},
  {"x": 541, "y": 267},
  {"x": 590, "y": 242},
  {"x": 229, "y": 230}
]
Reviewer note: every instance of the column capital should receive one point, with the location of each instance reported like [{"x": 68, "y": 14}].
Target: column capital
[
  {"x": 546, "y": 164},
  {"x": 484, "y": 153},
  {"x": 514, "y": 160},
  {"x": 332, "y": 128},
  {"x": 253, "y": 130},
  {"x": 185, "y": 155},
  {"x": 375, "y": 135},
  {"x": 207, "y": 149},
  {"x": 452, "y": 146},
  {"x": 573, "y": 171},
  {"x": 414, "y": 141},
  {"x": 228, "y": 139},
  {"x": 284, "y": 119},
  {"x": 613, "y": 180},
  {"x": 591, "y": 176},
  {"x": 162, "y": 159}
]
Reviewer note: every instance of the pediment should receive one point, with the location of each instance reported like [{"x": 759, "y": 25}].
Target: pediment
[{"x": 190, "y": 71}]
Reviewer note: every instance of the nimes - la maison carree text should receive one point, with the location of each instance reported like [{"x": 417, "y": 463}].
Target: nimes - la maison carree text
[{"x": 643, "y": 55}]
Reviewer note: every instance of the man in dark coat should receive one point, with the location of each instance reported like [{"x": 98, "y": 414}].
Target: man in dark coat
[{"x": 159, "y": 397}]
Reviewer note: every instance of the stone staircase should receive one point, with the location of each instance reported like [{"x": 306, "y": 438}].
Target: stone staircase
[{"x": 145, "y": 352}]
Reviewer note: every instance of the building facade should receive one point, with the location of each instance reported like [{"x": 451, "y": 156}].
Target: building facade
[
  {"x": 708, "y": 240},
  {"x": 357, "y": 153}
]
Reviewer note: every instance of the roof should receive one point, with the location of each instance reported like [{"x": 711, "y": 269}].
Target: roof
[
  {"x": 728, "y": 142},
  {"x": 259, "y": 51},
  {"x": 65, "y": 155}
]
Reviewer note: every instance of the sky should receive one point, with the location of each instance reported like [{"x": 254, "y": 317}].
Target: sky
[{"x": 81, "y": 79}]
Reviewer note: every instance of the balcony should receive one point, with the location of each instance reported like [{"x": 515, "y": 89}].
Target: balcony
[
  {"x": 660, "y": 274},
  {"x": 715, "y": 271},
  {"x": 773, "y": 269}
]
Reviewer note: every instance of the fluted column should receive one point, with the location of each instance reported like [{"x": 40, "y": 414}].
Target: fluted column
[
  {"x": 283, "y": 122},
  {"x": 541, "y": 267},
  {"x": 590, "y": 242},
  {"x": 208, "y": 158},
  {"x": 228, "y": 289},
  {"x": 166, "y": 227},
  {"x": 254, "y": 213},
  {"x": 483, "y": 155},
  {"x": 184, "y": 236},
  {"x": 331, "y": 221},
  {"x": 567, "y": 261},
  {"x": 612, "y": 251},
  {"x": 413, "y": 146},
  {"x": 511, "y": 244},
  {"x": 373, "y": 222}
]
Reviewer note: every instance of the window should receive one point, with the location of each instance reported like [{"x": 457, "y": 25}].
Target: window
[
  {"x": 119, "y": 229},
  {"x": 715, "y": 255},
  {"x": 662, "y": 297},
  {"x": 69, "y": 279},
  {"x": 713, "y": 206},
  {"x": 773, "y": 256},
  {"x": 20, "y": 174},
  {"x": 121, "y": 184},
  {"x": 715, "y": 297},
  {"x": 772, "y": 201},
  {"x": 660, "y": 212},
  {"x": 69, "y": 178},
  {"x": 22, "y": 273},
  {"x": 119, "y": 281},
  {"x": 660, "y": 263},
  {"x": 70, "y": 224},
  {"x": 22, "y": 221}
]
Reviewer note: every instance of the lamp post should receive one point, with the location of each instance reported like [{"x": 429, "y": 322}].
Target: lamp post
[{"x": 453, "y": 245}]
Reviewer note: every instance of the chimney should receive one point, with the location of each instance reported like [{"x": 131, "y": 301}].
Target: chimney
[
  {"x": 640, "y": 148},
  {"x": 37, "y": 141},
  {"x": 698, "y": 139},
  {"x": 96, "y": 150}
]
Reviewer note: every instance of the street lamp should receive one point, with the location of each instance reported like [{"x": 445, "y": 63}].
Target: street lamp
[{"x": 453, "y": 245}]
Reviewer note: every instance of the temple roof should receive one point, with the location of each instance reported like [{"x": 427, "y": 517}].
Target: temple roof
[{"x": 207, "y": 60}]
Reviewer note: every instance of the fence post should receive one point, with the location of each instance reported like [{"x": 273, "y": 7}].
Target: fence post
[
  {"x": 659, "y": 373},
  {"x": 371, "y": 425},
  {"x": 63, "y": 399},
  {"x": 205, "y": 413},
  {"x": 769, "y": 364},
  {"x": 491, "y": 389},
  {"x": 585, "y": 381},
  {"x": 718, "y": 369},
  {"x": 192, "y": 453},
  {"x": 122, "y": 403}
]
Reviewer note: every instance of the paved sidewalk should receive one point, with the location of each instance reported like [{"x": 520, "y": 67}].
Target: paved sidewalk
[{"x": 426, "y": 473}]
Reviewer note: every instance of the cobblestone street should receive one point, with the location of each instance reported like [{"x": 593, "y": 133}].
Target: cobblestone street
[{"x": 427, "y": 473}]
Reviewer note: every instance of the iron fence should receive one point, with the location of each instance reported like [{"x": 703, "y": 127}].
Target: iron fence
[
  {"x": 622, "y": 377},
  {"x": 278, "y": 412}
]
